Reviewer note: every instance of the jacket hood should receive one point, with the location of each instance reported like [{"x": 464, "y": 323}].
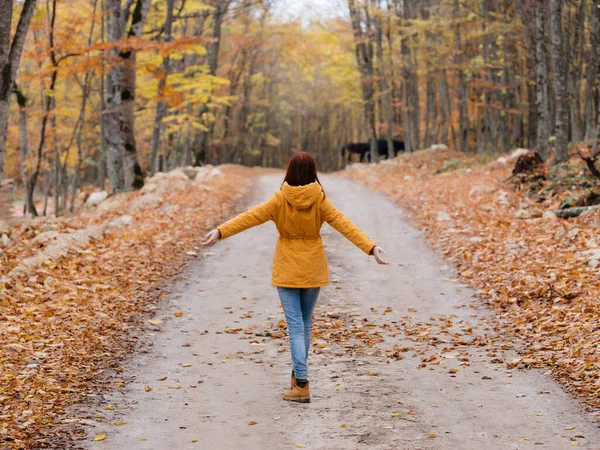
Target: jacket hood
[{"x": 302, "y": 197}]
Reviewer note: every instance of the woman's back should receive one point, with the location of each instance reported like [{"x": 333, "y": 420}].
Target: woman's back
[{"x": 299, "y": 212}]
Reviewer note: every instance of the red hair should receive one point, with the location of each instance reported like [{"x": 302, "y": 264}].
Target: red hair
[{"x": 302, "y": 170}]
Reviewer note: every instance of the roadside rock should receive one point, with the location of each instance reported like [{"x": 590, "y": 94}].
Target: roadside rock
[
  {"x": 45, "y": 237},
  {"x": 5, "y": 240},
  {"x": 439, "y": 147},
  {"x": 124, "y": 220},
  {"x": 96, "y": 198},
  {"x": 513, "y": 156},
  {"x": 147, "y": 201},
  {"x": 114, "y": 202},
  {"x": 549, "y": 215},
  {"x": 215, "y": 173},
  {"x": 60, "y": 246},
  {"x": 502, "y": 198},
  {"x": 191, "y": 172}
]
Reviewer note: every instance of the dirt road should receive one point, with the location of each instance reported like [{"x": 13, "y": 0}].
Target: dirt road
[{"x": 404, "y": 356}]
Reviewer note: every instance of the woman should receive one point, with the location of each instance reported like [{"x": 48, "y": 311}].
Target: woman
[{"x": 299, "y": 210}]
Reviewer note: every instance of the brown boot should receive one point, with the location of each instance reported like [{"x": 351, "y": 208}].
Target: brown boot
[{"x": 297, "y": 394}]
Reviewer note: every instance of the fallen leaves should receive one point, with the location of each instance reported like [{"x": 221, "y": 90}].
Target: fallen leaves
[
  {"x": 99, "y": 437},
  {"x": 72, "y": 317},
  {"x": 540, "y": 275}
]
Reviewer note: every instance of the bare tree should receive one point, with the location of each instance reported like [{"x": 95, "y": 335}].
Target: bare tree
[
  {"x": 161, "y": 106},
  {"x": 112, "y": 115},
  {"x": 463, "y": 111},
  {"x": 364, "y": 57},
  {"x": 220, "y": 11},
  {"x": 541, "y": 80},
  {"x": 133, "y": 176},
  {"x": 593, "y": 72},
  {"x": 387, "y": 97},
  {"x": 559, "y": 76}
]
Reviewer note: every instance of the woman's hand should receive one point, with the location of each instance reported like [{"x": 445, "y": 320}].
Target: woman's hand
[
  {"x": 377, "y": 252},
  {"x": 211, "y": 238}
]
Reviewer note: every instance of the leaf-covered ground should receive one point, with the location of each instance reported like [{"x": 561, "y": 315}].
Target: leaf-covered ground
[
  {"x": 540, "y": 274},
  {"x": 66, "y": 320}
]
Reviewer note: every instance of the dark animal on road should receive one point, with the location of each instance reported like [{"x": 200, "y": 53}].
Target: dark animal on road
[
  {"x": 364, "y": 149},
  {"x": 382, "y": 147}
]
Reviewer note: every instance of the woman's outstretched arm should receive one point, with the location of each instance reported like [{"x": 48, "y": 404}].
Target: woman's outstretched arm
[
  {"x": 251, "y": 218},
  {"x": 341, "y": 223}
]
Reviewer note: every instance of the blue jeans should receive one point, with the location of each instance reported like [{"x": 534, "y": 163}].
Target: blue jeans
[{"x": 298, "y": 306}]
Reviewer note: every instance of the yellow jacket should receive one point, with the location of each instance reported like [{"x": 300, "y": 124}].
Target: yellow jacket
[{"x": 299, "y": 212}]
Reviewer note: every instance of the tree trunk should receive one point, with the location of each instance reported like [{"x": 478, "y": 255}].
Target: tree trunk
[
  {"x": 364, "y": 57},
  {"x": 430, "y": 136},
  {"x": 102, "y": 154},
  {"x": 132, "y": 172},
  {"x": 411, "y": 82},
  {"x": 559, "y": 76},
  {"x": 387, "y": 101},
  {"x": 463, "y": 111},
  {"x": 529, "y": 12},
  {"x": 597, "y": 137},
  {"x": 484, "y": 125},
  {"x": 161, "y": 107},
  {"x": 112, "y": 114},
  {"x": 212, "y": 50},
  {"x": 409, "y": 136},
  {"x": 593, "y": 70},
  {"x": 85, "y": 93},
  {"x": 23, "y": 152},
  {"x": 192, "y": 59},
  {"x": 10, "y": 55},
  {"x": 445, "y": 108},
  {"x": 574, "y": 75},
  {"x": 541, "y": 81}
]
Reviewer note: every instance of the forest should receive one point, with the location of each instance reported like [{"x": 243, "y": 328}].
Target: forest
[
  {"x": 129, "y": 129},
  {"x": 103, "y": 91}
]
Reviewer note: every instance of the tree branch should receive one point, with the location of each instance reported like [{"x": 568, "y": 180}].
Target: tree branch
[{"x": 590, "y": 161}]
